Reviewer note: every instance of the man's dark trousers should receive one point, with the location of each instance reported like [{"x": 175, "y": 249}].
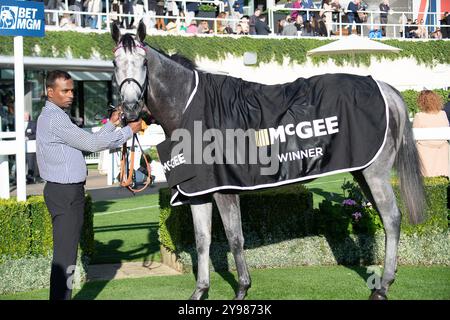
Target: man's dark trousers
[{"x": 65, "y": 202}]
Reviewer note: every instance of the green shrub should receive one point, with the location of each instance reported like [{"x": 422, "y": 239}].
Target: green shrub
[
  {"x": 436, "y": 214},
  {"x": 14, "y": 229},
  {"x": 82, "y": 45},
  {"x": 339, "y": 221},
  {"x": 267, "y": 215},
  {"x": 26, "y": 244},
  {"x": 434, "y": 249},
  {"x": 207, "y": 7},
  {"x": 41, "y": 227}
]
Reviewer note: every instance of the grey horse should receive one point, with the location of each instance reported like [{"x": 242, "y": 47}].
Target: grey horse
[{"x": 169, "y": 85}]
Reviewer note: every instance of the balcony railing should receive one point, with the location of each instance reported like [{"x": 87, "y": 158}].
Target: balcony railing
[{"x": 395, "y": 28}]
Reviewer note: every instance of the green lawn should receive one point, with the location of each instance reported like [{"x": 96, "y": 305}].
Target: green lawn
[
  {"x": 126, "y": 230},
  {"x": 302, "y": 283},
  {"x": 328, "y": 187}
]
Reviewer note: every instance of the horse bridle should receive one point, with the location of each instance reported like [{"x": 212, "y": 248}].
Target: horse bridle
[{"x": 126, "y": 176}]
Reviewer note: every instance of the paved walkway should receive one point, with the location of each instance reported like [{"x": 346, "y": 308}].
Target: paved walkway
[
  {"x": 128, "y": 270},
  {"x": 98, "y": 189}
]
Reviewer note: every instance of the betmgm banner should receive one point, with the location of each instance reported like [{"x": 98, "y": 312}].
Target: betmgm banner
[{"x": 22, "y": 18}]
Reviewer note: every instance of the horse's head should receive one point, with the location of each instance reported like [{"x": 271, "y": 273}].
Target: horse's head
[{"x": 130, "y": 70}]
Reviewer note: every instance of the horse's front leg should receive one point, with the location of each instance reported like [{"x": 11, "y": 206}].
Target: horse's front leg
[
  {"x": 230, "y": 212},
  {"x": 201, "y": 216}
]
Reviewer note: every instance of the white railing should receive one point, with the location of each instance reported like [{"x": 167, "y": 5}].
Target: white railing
[
  {"x": 394, "y": 28},
  {"x": 154, "y": 135}
]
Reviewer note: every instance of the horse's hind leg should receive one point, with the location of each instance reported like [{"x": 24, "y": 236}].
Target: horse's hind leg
[
  {"x": 201, "y": 216},
  {"x": 230, "y": 213},
  {"x": 377, "y": 179}
]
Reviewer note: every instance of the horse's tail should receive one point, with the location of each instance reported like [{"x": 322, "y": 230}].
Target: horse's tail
[{"x": 408, "y": 167}]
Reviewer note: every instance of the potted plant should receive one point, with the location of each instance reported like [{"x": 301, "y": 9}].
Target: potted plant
[{"x": 207, "y": 11}]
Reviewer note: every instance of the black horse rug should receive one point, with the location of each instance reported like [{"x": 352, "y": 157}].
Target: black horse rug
[{"x": 240, "y": 135}]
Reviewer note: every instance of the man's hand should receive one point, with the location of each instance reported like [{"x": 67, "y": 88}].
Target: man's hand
[
  {"x": 115, "y": 118},
  {"x": 136, "y": 126}
]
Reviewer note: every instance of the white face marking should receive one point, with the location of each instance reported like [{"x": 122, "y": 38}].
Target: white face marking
[{"x": 130, "y": 65}]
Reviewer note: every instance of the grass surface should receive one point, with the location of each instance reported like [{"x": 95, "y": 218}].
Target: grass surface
[
  {"x": 329, "y": 188},
  {"x": 302, "y": 283},
  {"x": 126, "y": 230}
]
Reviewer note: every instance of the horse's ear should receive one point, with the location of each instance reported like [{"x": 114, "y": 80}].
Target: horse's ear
[
  {"x": 115, "y": 32},
  {"x": 141, "y": 31}
]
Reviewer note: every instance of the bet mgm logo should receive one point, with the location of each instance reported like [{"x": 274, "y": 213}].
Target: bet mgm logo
[{"x": 8, "y": 17}]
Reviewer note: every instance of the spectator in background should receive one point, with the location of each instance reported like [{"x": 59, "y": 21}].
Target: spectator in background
[
  {"x": 192, "y": 28},
  {"x": 10, "y": 120},
  {"x": 128, "y": 9},
  {"x": 299, "y": 24},
  {"x": 160, "y": 24},
  {"x": 445, "y": 26},
  {"x": 375, "y": 33},
  {"x": 116, "y": 9},
  {"x": 433, "y": 153},
  {"x": 30, "y": 134},
  {"x": 239, "y": 30},
  {"x": 352, "y": 15},
  {"x": 238, "y": 6},
  {"x": 296, "y": 5},
  {"x": 203, "y": 28},
  {"x": 261, "y": 27},
  {"x": 3, "y": 113},
  {"x": 447, "y": 107},
  {"x": 94, "y": 6},
  {"x": 308, "y": 4},
  {"x": 245, "y": 24},
  {"x": 253, "y": 19},
  {"x": 384, "y": 8},
  {"x": 289, "y": 28},
  {"x": 326, "y": 15}
]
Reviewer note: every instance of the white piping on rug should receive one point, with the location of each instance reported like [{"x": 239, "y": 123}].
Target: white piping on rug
[{"x": 193, "y": 92}]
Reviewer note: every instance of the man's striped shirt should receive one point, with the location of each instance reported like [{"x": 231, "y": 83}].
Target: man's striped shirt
[{"x": 59, "y": 145}]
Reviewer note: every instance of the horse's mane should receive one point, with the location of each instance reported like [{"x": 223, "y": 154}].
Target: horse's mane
[{"x": 128, "y": 43}]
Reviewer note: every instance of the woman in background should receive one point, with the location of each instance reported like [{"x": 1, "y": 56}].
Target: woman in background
[{"x": 433, "y": 153}]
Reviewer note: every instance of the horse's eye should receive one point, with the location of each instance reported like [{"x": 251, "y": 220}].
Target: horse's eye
[
  {"x": 145, "y": 62},
  {"x": 114, "y": 63}
]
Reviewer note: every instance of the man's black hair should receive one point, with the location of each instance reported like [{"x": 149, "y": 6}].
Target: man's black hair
[{"x": 56, "y": 74}]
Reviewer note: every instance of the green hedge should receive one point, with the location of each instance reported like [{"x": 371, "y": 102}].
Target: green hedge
[
  {"x": 55, "y": 44},
  {"x": 26, "y": 244},
  {"x": 27, "y": 229},
  {"x": 337, "y": 221},
  {"x": 276, "y": 221},
  {"x": 434, "y": 249},
  {"x": 266, "y": 215}
]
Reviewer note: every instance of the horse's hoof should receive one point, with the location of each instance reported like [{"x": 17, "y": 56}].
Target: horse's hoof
[
  {"x": 240, "y": 296},
  {"x": 242, "y": 293},
  {"x": 199, "y": 294},
  {"x": 377, "y": 295}
]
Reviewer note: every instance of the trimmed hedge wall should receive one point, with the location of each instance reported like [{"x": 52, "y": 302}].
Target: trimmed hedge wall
[
  {"x": 274, "y": 220},
  {"x": 83, "y": 45},
  {"x": 266, "y": 215},
  {"x": 26, "y": 244},
  {"x": 340, "y": 216}
]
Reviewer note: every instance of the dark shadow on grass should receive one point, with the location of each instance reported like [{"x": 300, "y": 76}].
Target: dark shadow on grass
[
  {"x": 114, "y": 257},
  {"x": 330, "y": 196}
]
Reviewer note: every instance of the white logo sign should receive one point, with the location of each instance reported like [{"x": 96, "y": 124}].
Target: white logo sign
[
  {"x": 13, "y": 17},
  {"x": 8, "y": 17}
]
